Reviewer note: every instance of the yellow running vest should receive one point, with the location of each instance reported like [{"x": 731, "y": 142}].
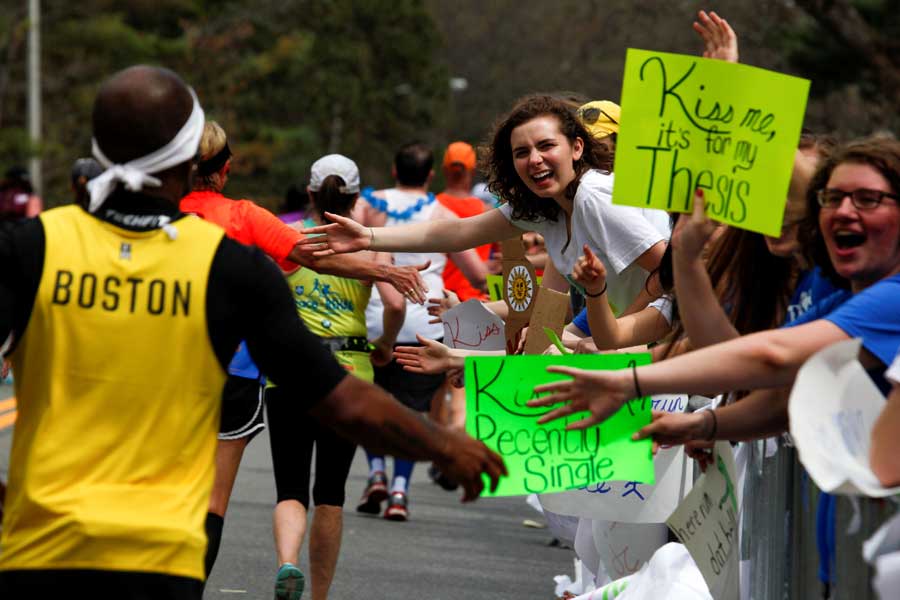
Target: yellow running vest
[
  {"x": 333, "y": 306},
  {"x": 119, "y": 395}
]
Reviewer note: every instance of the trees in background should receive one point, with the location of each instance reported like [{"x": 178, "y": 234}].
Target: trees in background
[
  {"x": 293, "y": 79},
  {"x": 289, "y": 81},
  {"x": 507, "y": 48}
]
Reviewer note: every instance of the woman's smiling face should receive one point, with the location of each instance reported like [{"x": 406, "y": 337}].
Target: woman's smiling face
[
  {"x": 864, "y": 245},
  {"x": 544, "y": 157}
]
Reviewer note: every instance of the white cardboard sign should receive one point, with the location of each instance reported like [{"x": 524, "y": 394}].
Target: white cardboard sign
[
  {"x": 629, "y": 501},
  {"x": 471, "y": 326},
  {"x": 707, "y": 524},
  {"x": 833, "y": 407},
  {"x": 624, "y": 548}
]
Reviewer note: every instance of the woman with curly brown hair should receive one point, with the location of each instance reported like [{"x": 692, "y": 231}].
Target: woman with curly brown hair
[{"x": 554, "y": 177}]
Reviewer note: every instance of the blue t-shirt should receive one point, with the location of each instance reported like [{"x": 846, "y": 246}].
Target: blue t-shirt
[
  {"x": 581, "y": 322},
  {"x": 812, "y": 288},
  {"x": 874, "y": 315},
  {"x": 822, "y": 308},
  {"x": 811, "y": 293}
]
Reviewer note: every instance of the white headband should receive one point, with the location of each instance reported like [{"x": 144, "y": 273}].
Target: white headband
[{"x": 135, "y": 174}]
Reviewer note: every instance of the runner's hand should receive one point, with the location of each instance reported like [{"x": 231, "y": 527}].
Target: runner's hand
[
  {"x": 431, "y": 357},
  {"x": 340, "y": 236},
  {"x": 455, "y": 375},
  {"x": 408, "y": 281},
  {"x": 465, "y": 460},
  {"x": 438, "y": 306},
  {"x": 589, "y": 272},
  {"x": 719, "y": 38},
  {"x": 601, "y": 393},
  {"x": 692, "y": 232},
  {"x": 382, "y": 354}
]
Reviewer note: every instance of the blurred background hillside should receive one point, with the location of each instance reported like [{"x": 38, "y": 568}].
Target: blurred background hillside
[{"x": 290, "y": 80}]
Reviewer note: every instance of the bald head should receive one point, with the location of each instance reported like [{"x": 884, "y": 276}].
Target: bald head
[{"x": 139, "y": 110}]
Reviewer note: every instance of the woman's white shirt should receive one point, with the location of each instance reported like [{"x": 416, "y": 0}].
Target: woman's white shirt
[{"x": 619, "y": 235}]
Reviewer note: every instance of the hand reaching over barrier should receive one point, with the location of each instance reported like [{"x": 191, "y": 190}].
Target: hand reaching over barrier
[
  {"x": 673, "y": 429},
  {"x": 438, "y": 306},
  {"x": 601, "y": 393},
  {"x": 341, "y": 235},
  {"x": 430, "y": 358}
]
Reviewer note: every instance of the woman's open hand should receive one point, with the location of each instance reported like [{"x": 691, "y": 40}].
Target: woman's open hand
[
  {"x": 431, "y": 357},
  {"x": 341, "y": 236},
  {"x": 601, "y": 393},
  {"x": 719, "y": 39}
]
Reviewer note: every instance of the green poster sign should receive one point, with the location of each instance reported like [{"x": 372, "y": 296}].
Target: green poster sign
[
  {"x": 728, "y": 129},
  {"x": 547, "y": 458},
  {"x": 495, "y": 287}
]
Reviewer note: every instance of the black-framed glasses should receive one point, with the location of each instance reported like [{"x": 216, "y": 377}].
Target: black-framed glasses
[
  {"x": 862, "y": 198},
  {"x": 591, "y": 115}
]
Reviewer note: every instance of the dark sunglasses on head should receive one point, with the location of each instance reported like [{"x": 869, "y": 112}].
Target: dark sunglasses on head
[
  {"x": 591, "y": 115},
  {"x": 862, "y": 198}
]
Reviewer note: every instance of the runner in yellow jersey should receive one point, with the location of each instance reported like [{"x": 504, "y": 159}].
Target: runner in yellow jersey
[
  {"x": 124, "y": 317},
  {"x": 334, "y": 308}
]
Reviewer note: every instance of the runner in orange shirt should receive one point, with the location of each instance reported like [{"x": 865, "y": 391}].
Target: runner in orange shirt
[{"x": 459, "y": 169}]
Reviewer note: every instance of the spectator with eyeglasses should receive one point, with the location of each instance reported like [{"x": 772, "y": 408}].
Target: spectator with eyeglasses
[{"x": 857, "y": 247}]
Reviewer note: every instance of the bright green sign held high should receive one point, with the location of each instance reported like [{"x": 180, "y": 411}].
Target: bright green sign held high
[
  {"x": 547, "y": 458},
  {"x": 729, "y": 129}
]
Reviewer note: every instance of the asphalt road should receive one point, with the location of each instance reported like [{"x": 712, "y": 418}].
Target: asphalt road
[{"x": 446, "y": 551}]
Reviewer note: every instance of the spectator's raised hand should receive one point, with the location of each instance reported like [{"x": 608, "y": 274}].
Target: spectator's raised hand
[
  {"x": 719, "y": 39},
  {"x": 589, "y": 272},
  {"x": 693, "y": 232}
]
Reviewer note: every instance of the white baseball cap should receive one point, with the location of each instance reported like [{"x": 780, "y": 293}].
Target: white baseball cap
[{"x": 335, "y": 164}]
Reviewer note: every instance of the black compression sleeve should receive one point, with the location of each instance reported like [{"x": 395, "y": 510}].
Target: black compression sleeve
[
  {"x": 21, "y": 263},
  {"x": 248, "y": 299}
]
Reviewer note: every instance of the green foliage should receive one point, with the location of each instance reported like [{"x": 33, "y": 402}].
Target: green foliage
[{"x": 288, "y": 80}]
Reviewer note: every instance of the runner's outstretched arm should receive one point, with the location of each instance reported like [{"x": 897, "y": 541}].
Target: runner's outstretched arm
[
  {"x": 371, "y": 417},
  {"x": 405, "y": 279}
]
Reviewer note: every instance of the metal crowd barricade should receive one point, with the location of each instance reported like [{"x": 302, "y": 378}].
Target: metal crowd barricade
[{"x": 779, "y": 532}]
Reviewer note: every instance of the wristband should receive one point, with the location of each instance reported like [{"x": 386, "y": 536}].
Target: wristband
[
  {"x": 371, "y": 236},
  {"x": 715, "y": 426},
  {"x": 637, "y": 386},
  {"x": 598, "y": 294}
]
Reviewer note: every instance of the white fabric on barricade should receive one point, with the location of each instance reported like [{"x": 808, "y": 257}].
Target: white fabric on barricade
[
  {"x": 833, "y": 406},
  {"x": 670, "y": 573},
  {"x": 629, "y": 501}
]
